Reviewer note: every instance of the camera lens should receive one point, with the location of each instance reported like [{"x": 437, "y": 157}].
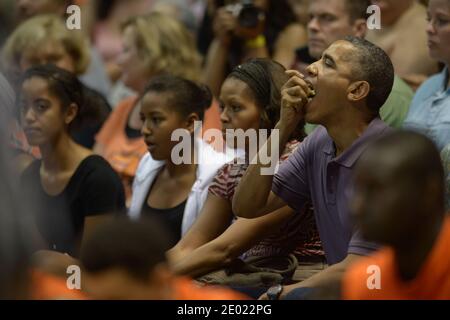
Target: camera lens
[{"x": 249, "y": 16}]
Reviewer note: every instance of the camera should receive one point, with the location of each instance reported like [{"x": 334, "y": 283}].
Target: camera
[{"x": 249, "y": 16}]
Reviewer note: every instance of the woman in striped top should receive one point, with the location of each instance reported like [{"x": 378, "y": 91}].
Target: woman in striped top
[{"x": 250, "y": 99}]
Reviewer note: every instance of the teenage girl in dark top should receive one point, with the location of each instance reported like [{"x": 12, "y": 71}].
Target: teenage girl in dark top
[{"x": 70, "y": 188}]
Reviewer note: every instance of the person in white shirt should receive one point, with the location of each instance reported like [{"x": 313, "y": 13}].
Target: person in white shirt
[{"x": 170, "y": 184}]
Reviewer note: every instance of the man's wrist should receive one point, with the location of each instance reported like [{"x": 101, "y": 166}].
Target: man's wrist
[
  {"x": 284, "y": 132},
  {"x": 274, "y": 292}
]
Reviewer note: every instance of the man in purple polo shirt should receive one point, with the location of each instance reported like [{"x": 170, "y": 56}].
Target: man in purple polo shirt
[{"x": 348, "y": 85}]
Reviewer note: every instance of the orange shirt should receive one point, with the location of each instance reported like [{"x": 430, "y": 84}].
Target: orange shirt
[
  {"x": 432, "y": 281},
  {"x": 186, "y": 289},
  {"x": 48, "y": 287}
]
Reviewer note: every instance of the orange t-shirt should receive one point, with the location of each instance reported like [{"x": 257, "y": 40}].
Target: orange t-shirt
[
  {"x": 186, "y": 289},
  {"x": 432, "y": 281},
  {"x": 48, "y": 287}
]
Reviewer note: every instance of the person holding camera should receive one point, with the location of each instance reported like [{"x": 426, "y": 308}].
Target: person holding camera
[{"x": 244, "y": 29}]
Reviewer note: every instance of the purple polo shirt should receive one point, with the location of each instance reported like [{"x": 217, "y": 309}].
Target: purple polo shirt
[{"x": 313, "y": 173}]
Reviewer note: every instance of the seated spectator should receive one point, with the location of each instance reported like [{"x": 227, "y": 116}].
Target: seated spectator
[
  {"x": 154, "y": 44},
  {"x": 430, "y": 109},
  {"x": 274, "y": 34},
  {"x": 172, "y": 104},
  {"x": 94, "y": 76},
  {"x": 70, "y": 188},
  {"x": 343, "y": 92},
  {"x": 250, "y": 100},
  {"x": 125, "y": 259},
  {"x": 332, "y": 20},
  {"x": 46, "y": 39},
  {"x": 18, "y": 279},
  {"x": 401, "y": 36},
  {"x": 404, "y": 196},
  {"x": 108, "y": 15}
]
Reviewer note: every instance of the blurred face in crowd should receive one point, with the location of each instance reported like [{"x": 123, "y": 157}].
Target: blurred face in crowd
[
  {"x": 117, "y": 284},
  {"x": 238, "y": 108},
  {"x": 331, "y": 78},
  {"x": 391, "y": 10},
  {"x": 51, "y": 52},
  {"x": 386, "y": 200},
  {"x": 134, "y": 71},
  {"x": 160, "y": 120},
  {"x": 438, "y": 30},
  {"x": 42, "y": 116},
  {"x": 30, "y": 8},
  {"x": 330, "y": 21},
  {"x": 300, "y": 8}
]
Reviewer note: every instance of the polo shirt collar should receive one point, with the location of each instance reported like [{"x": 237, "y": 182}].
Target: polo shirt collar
[{"x": 349, "y": 157}]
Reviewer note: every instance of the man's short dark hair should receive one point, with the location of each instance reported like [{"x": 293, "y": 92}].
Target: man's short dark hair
[
  {"x": 357, "y": 9},
  {"x": 376, "y": 68},
  {"x": 134, "y": 246}
]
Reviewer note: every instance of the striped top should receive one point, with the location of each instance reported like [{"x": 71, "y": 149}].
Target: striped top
[{"x": 298, "y": 235}]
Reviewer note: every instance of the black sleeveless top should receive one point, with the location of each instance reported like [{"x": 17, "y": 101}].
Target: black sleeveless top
[{"x": 171, "y": 218}]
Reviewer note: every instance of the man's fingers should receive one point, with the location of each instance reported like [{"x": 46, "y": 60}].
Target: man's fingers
[
  {"x": 295, "y": 81},
  {"x": 297, "y": 92},
  {"x": 297, "y": 73},
  {"x": 295, "y": 103}
]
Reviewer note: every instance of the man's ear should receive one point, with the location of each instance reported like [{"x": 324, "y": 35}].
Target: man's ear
[
  {"x": 358, "y": 90},
  {"x": 190, "y": 122},
  {"x": 71, "y": 113},
  {"x": 360, "y": 28}
]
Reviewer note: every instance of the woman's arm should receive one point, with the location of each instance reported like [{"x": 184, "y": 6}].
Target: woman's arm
[
  {"x": 214, "y": 218},
  {"x": 238, "y": 238},
  {"x": 224, "y": 25},
  {"x": 292, "y": 37}
]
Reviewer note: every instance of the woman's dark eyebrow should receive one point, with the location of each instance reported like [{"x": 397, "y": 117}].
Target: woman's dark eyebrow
[{"x": 41, "y": 100}]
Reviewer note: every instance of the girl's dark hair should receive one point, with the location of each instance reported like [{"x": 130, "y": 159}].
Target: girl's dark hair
[
  {"x": 68, "y": 89},
  {"x": 184, "y": 95},
  {"x": 265, "y": 79}
]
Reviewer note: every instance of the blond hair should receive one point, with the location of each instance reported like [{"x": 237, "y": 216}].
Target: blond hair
[
  {"x": 165, "y": 45},
  {"x": 38, "y": 31}
]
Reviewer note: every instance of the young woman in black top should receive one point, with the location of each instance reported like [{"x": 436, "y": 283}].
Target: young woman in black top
[{"x": 70, "y": 188}]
